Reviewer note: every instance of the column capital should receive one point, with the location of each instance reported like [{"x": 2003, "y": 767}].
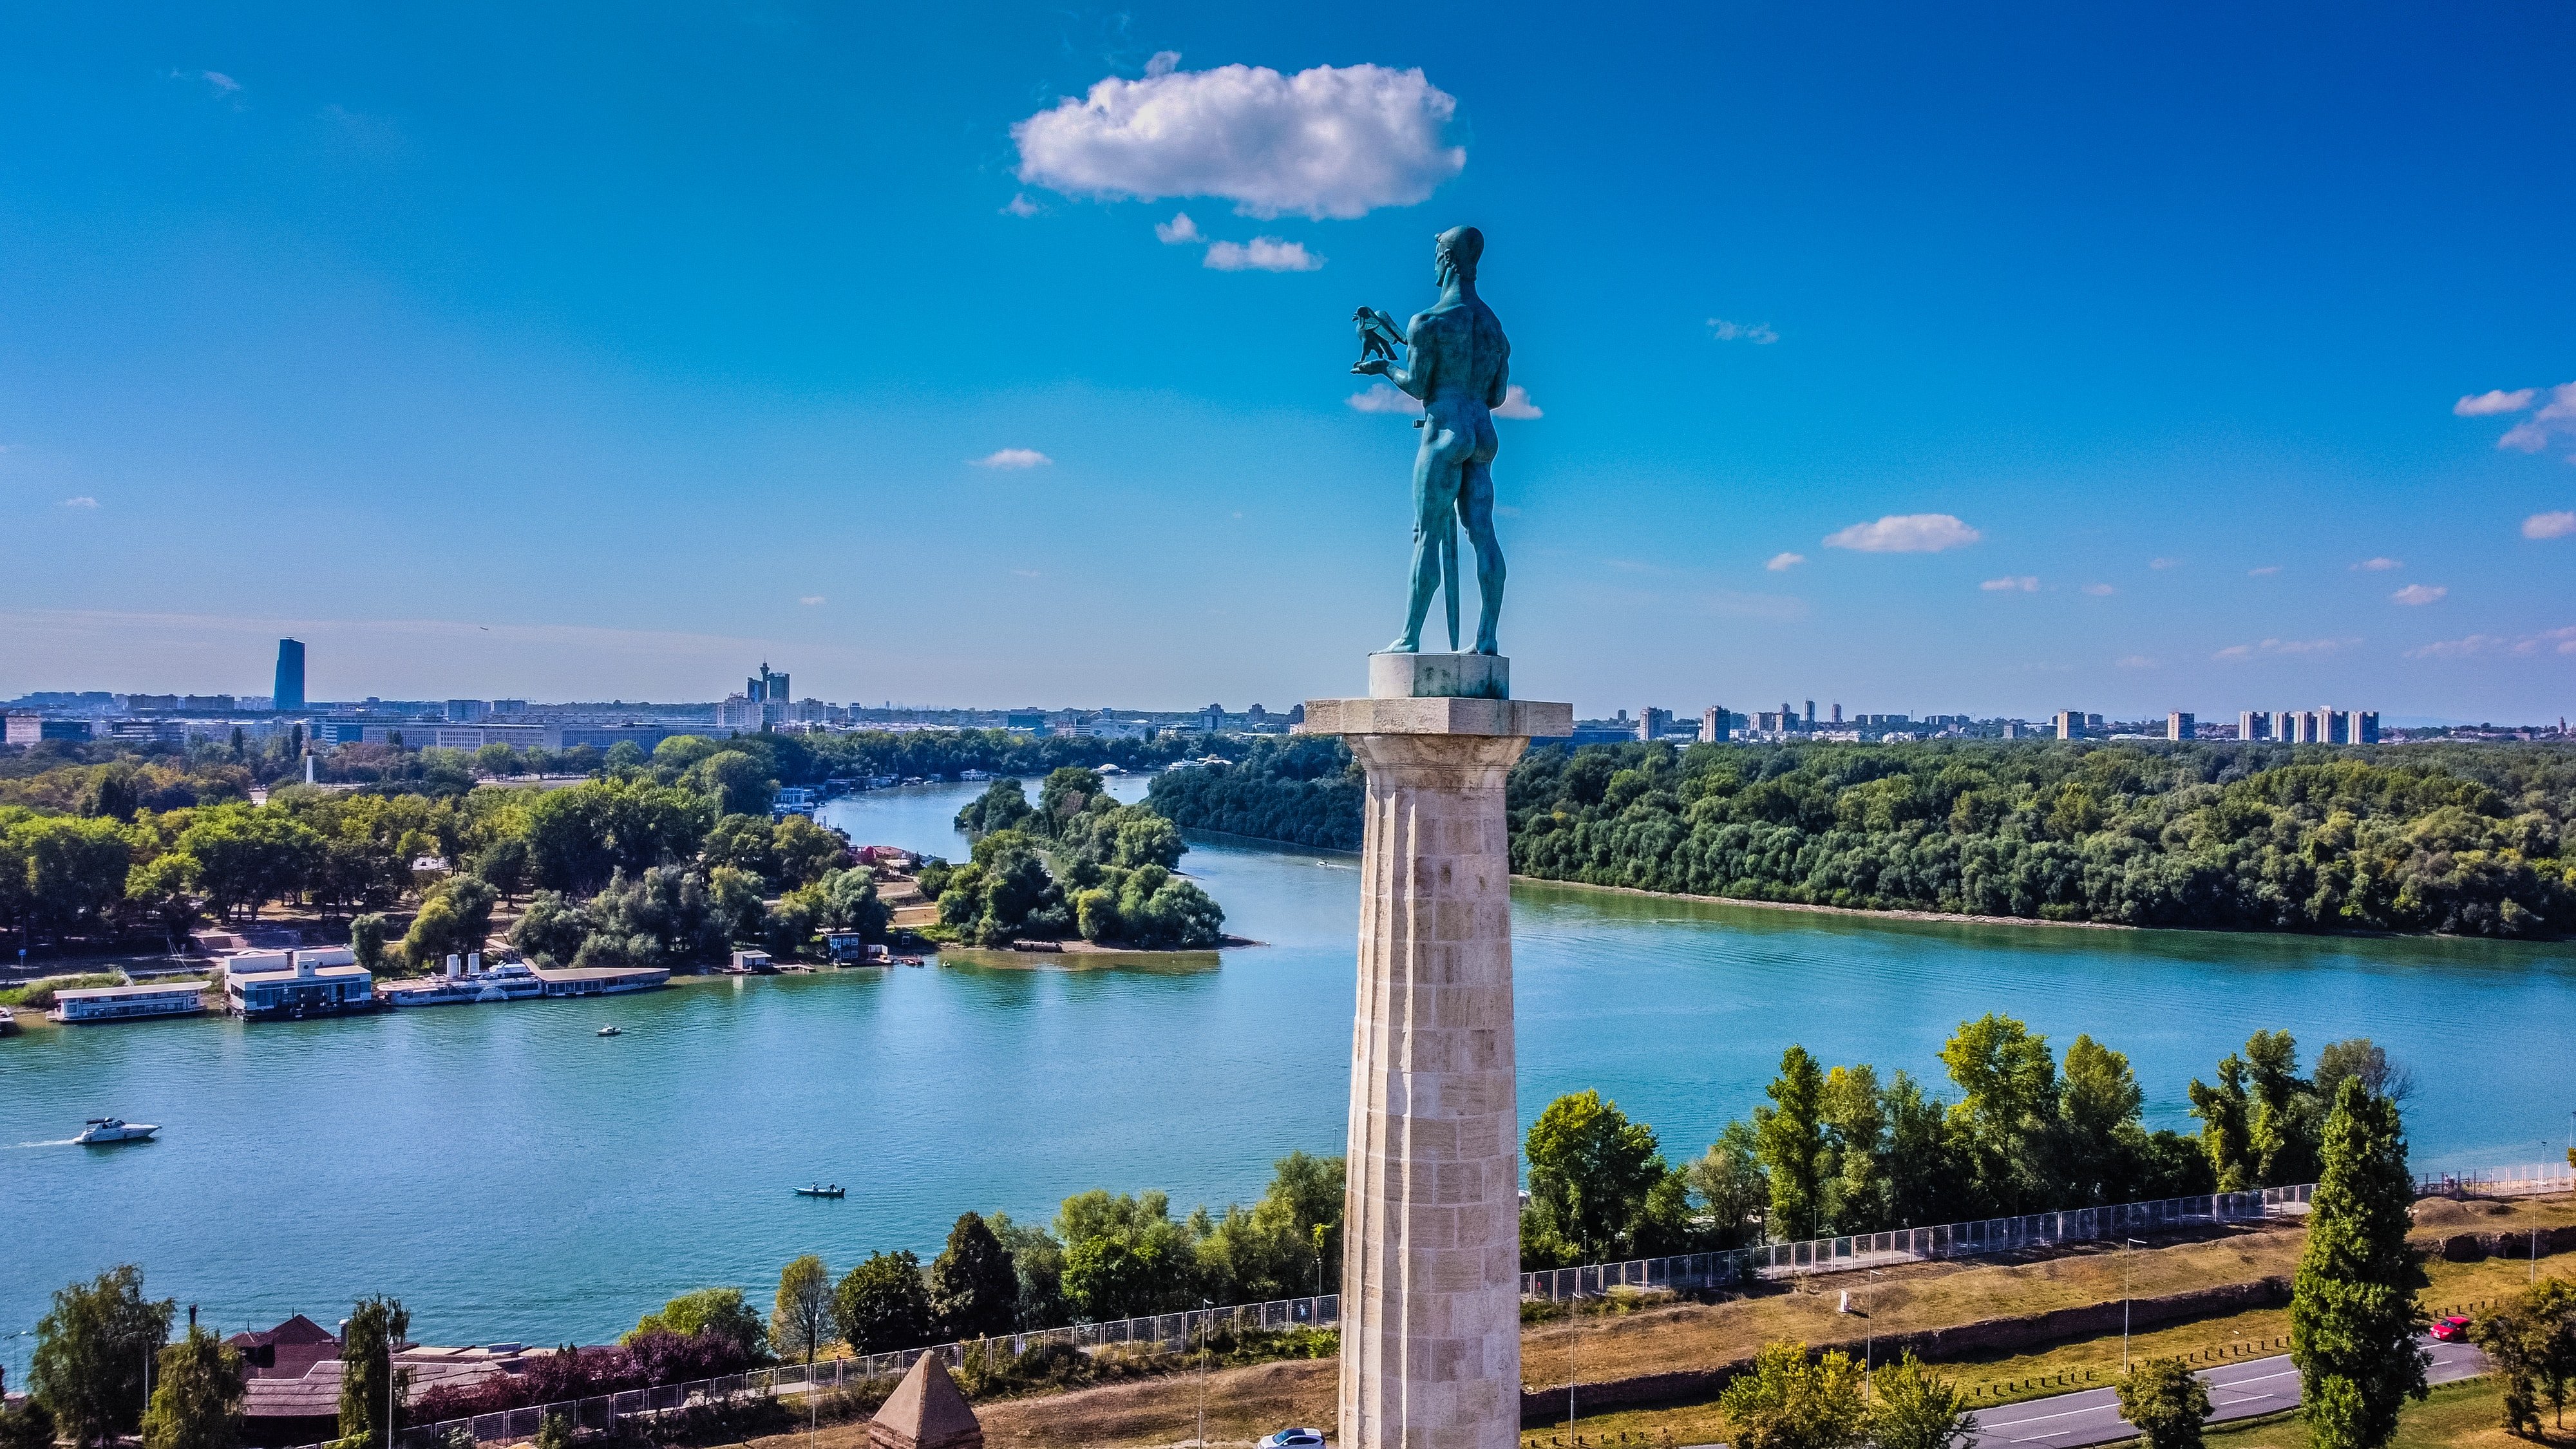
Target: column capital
[{"x": 1524, "y": 718}]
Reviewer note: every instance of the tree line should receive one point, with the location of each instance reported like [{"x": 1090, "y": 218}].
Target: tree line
[
  {"x": 2460, "y": 839},
  {"x": 1077, "y": 862},
  {"x": 1841, "y": 1150},
  {"x": 663, "y": 860}
]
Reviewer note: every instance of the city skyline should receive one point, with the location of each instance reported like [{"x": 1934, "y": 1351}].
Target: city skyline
[{"x": 2247, "y": 386}]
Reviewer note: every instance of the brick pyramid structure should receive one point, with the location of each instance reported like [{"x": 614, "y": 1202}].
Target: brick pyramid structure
[{"x": 926, "y": 1411}]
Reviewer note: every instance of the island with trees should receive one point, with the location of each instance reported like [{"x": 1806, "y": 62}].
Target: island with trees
[
  {"x": 1077, "y": 865},
  {"x": 2454, "y": 839}
]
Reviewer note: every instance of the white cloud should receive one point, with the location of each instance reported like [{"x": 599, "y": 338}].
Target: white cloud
[
  {"x": 2524, "y": 438},
  {"x": 223, "y": 84},
  {"x": 83, "y": 501},
  {"x": 2414, "y": 595},
  {"x": 809, "y": 600},
  {"x": 1179, "y": 231},
  {"x": 2238, "y": 653},
  {"x": 1012, "y": 458},
  {"x": 2488, "y": 404},
  {"x": 2022, "y": 583},
  {"x": 1261, "y": 254},
  {"x": 2378, "y": 565},
  {"x": 1384, "y": 397},
  {"x": 2550, "y": 641},
  {"x": 1328, "y": 142},
  {"x": 1757, "y": 333},
  {"x": 1905, "y": 533},
  {"x": 2100, "y": 591},
  {"x": 2164, "y": 563},
  {"x": 1516, "y": 404},
  {"x": 1781, "y": 563},
  {"x": 1020, "y": 205},
  {"x": 2135, "y": 661},
  {"x": 2549, "y": 525},
  {"x": 2265, "y": 572}
]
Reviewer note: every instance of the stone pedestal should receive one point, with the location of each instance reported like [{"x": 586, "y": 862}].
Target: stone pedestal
[{"x": 1430, "y": 1316}]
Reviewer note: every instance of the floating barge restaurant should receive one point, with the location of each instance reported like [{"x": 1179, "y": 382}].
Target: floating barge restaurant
[
  {"x": 128, "y": 1003},
  {"x": 292, "y": 985}
]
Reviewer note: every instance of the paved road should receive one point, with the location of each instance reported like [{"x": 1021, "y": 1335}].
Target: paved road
[{"x": 2236, "y": 1391}]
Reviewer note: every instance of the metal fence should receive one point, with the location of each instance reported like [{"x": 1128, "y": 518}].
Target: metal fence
[
  {"x": 1914, "y": 1245},
  {"x": 1176, "y": 1332}
]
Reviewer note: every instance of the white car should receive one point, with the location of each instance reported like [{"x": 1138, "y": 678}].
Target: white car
[{"x": 1294, "y": 1439}]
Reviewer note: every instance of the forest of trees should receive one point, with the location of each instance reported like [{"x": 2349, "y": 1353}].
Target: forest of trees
[
  {"x": 1841, "y": 1149},
  {"x": 2461, "y": 839},
  {"x": 1077, "y": 862},
  {"x": 665, "y": 860}
]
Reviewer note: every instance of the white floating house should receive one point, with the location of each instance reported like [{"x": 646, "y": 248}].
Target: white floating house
[
  {"x": 128, "y": 1003},
  {"x": 271, "y": 985}
]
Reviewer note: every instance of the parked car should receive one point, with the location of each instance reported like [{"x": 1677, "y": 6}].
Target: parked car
[
  {"x": 2451, "y": 1328},
  {"x": 1294, "y": 1439}
]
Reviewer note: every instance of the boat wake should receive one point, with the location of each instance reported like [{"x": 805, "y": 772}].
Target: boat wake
[{"x": 57, "y": 1142}]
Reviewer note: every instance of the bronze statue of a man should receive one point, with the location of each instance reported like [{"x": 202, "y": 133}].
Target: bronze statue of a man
[{"x": 1457, "y": 362}]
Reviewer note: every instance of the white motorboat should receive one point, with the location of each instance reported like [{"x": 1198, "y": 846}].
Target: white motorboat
[
  {"x": 612, "y": 1030},
  {"x": 103, "y": 1131}
]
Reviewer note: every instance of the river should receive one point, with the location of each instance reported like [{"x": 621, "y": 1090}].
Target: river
[{"x": 511, "y": 1175}]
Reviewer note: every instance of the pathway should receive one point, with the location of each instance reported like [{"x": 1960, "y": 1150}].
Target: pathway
[{"x": 2236, "y": 1391}]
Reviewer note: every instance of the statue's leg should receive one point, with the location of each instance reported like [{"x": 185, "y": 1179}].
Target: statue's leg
[
  {"x": 1476, "y": 508},
  {"x": 1451, "y": 586},
  {"x": 1431, "y": 527}
]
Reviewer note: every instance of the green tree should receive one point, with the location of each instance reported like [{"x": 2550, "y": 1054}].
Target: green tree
[
  {"x": 804, "y": 852},
  {"x": 1790, "y": 1135},
  {"x": 2225, "y": 1112},
  {"x": 2166, "y": 1401},
  {"x": 29, "y": 1426},
  {"x": 367, "y": 937},
  {"x": 723, "y": 1312},
  {"x": 504, "y": 864},
  {"x": 800, "y": 1325},
  {"x": 974, "y": 1286},
  {"x": 1004, "y": 805},
  {"x": 882, "y": 1304},
  {"x": 2098, "y": 1124},
  {"x": 91, "y": 1349},
  {"x": 550, "y": 931},
  {"x": 1789, "y": 1401},
  {"x": 1857, "y": 1191},
  {"x": 373, "y": 1388},
  {"x": 1145, "y": 838},
  {"x": 1915, "y": 1408},
  {"x": 197, "y": 1395},
  {"x": 2353, "y": 1319},
  {"x": 1590, "y": 1169},
  {"x": 1732, "y": 1185},
  {"x": 554, "y": 1431},
  {"x": 734, "y": 781},
  {"x": 2281, "y": 1121},
  {"x": 2007, "y": 1109},
  {"x": 455, "y": 919},
  {"x": 2516, "y": 1343}
]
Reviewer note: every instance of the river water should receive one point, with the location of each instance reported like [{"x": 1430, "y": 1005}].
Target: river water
[{"x": 511, "y": 1175}]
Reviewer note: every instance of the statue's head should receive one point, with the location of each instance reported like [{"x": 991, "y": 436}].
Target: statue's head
[{"x": 1456, "y": 250}]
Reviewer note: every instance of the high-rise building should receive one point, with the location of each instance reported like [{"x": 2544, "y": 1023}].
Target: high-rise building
[
  {"x": 1811, "y": 714},
  {"x": 2365, "y": 727},
  {"x": 1838, "y": 714},
  {"x": 2179, "y": 725},
  {"x": 2253, "y": 724},
  {"x": 288, "y": 696},
  {"x": 2070, "y": 724},
  {"x": 1652, "y": 722},
  {"x": 468, "y": 711},
  {"x": 1713, "y": 725}
]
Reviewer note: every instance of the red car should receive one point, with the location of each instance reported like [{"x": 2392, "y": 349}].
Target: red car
[{"x": 2451, "y": 1328}]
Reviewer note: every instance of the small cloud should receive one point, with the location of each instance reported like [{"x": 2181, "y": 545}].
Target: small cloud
[
  {"x": 2378, "y": 565},
  {"x": 2459, "y": 648},
  {"x": 2415, "y": 595},
  {"x": 1781, "y": 563},
  {"x": 2136, "y": 661},
  {"x": 1384, "y": 397},
  {"x": 222, "y": 84},
  {"x": 2022, "y": 583},
  {"x": 2100, "y": 591},
  {"x": 1020, "y": 205},
  {"x": 83, "y": 501},
  {"x": 1516, "y": 404},
  {"x": 1905, "y": 533},
  {"x": 2164, "y": 563},
  {"x": 1757, "y": 333},
  {"x": 2524, "y": 438},
  {"x": 2489, "y": 404},
  {"x": 2238, "y": 653},
  {"x": 2265, "y": 572},
  {"x": 2549, "y": 525},
  {"x": 1179, "y": 231},
  {"x": 809, "y": 600},
  {"x": 1012, "y": 458},
  {"x": 1261, "y": 254}
]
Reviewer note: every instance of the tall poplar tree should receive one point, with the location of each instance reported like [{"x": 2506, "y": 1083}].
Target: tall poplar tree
[
  {"x": 2353, "y": 1319},
  {"x": 196, "y": 1396},
  {"x": 371, "y": 1387},
  {"x": 1790, "y": 1134}
]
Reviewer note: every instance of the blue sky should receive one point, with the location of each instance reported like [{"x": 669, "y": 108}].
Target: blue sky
[{"x": 606, "y": 351}]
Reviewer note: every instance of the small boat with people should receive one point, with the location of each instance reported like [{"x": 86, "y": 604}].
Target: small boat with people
[
  {"x": 612, "y": 1030},
  {"x": 823, "y": 1190},
  {"x": 108, "y": 1131}
]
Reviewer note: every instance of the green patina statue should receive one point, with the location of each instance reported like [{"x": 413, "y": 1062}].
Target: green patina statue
[{"x": 1457, "y": 360}]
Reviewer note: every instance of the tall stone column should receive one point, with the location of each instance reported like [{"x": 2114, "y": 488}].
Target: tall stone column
[{"x": 1430, "y": 1313}]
